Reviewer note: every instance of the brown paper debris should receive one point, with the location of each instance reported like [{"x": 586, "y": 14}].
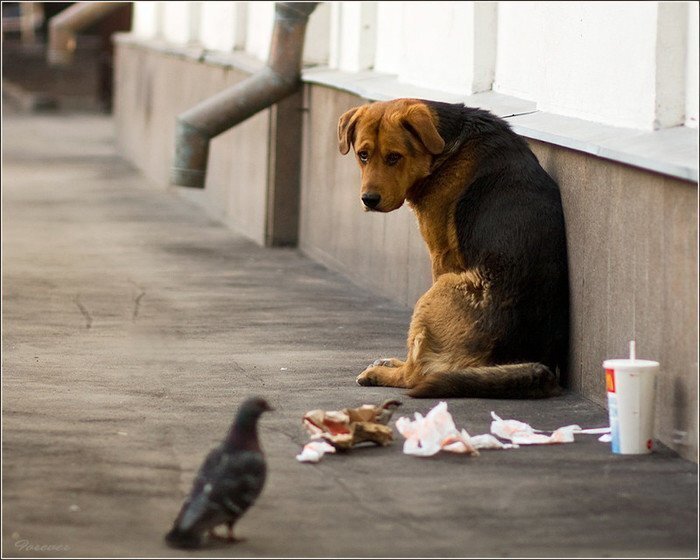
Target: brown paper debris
[{"x": 350, "y": 426}]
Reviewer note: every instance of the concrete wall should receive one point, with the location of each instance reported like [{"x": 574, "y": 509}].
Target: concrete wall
[
  {"x": 151, "y": 89},
  {"x": 632, "y": 238},
  {"x": 384, "y": 253}
]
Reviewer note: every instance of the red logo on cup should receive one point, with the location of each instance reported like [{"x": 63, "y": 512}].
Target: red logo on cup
[
  {"x": 610, "y": 380},
  {"x": 650, "y": 444}
]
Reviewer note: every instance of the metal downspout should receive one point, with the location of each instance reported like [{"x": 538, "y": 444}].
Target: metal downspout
[
  {"x": 279, "y": 79},
  {"x": 64, "y": 26}
]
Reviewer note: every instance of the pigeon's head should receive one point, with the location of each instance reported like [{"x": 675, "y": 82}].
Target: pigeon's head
[
  {"x": 254, "y": 407},
  {"x": 243, "y": 432}
]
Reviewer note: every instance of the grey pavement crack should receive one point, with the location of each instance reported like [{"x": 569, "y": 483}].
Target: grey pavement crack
[{"x": 84, "y": 311}]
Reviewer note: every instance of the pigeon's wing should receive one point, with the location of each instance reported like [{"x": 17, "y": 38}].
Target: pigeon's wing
[
  {"x": 208, "y": 470},
  {"x": 198, "y": 509},
  {"x": 239, "y": 481}
]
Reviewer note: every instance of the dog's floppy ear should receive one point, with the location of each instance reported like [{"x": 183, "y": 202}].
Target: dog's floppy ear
[
  {"x": 419, "y": 121},
  {"x": 346, "y": 129}
]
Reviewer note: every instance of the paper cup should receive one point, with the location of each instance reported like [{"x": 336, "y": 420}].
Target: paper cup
[{"x": 631, "y": 387}]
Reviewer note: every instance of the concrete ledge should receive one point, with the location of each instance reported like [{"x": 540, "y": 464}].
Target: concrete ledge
[
  {"x": 672, "y": 152},
  {"x": 237, "y": 60}
]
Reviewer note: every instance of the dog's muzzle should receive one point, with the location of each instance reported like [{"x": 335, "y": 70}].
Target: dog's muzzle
[{"x": 371, "y": 200}]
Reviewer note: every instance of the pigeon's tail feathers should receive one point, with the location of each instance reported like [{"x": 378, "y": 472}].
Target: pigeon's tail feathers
[
  {"x": 183, "y": 539},
  {"x": 187, "y": 529}
]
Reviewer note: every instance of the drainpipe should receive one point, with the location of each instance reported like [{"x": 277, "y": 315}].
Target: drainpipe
[
  {"x": 64, "y": 26},
  {"x": 279, "y": 79}
]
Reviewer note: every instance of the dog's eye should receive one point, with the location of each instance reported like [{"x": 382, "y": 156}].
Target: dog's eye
[
  {"x": 363, "y": 155},
  {"x": 393, "y": 158}
]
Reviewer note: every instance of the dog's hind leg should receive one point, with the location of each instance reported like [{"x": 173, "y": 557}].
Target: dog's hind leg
[{"x": 441, "y": 334}]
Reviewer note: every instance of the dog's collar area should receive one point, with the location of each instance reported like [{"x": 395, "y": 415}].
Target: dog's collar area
[{"x": 451, "y": 148}]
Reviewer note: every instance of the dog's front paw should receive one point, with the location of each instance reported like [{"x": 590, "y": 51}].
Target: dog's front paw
[{"x": 367, "y": 378}]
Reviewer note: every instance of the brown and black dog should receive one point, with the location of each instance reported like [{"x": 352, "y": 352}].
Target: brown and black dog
[{"x": 495, "y": 321}]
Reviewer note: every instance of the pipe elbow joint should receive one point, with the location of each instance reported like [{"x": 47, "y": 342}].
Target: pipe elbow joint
[
  {"x": 280, "y": 78},
  {"x": 191, "y": 154}
]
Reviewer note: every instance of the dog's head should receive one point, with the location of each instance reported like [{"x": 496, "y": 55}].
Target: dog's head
[{"x": 394, "y": 142}]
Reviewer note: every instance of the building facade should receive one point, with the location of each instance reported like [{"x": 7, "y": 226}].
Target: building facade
[{"x": 605, "y": 92}]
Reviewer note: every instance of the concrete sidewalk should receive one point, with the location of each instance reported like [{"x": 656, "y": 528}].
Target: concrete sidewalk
[{"x": 133, "y": 326}]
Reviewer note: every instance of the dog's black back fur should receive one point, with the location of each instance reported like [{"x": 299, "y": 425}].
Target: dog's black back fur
[{"x": 510, "y": 225}]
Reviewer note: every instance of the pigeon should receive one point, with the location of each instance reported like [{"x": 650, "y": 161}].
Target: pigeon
[{"x": 227, "y": 484}]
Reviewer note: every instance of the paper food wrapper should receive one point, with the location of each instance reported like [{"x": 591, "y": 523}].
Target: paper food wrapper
[
  {"x": 346, "y": 428},
  {"x": 436, "y": 431},
  {"x": 524, "y": 434},
  {"x": 427, "y": 435},
  {"x": 314, "y": 450}
]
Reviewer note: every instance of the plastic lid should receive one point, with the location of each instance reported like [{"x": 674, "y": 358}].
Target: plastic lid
[{"x": 632, "y": 362}]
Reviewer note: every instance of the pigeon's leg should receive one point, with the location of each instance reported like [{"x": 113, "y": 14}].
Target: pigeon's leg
[{"x": 231, "y": 538}]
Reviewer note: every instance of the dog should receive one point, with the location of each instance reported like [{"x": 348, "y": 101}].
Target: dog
[{"x": 494, "y": 323}]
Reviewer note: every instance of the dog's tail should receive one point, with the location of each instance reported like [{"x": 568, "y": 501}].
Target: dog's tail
[{"x": 513, "y": 381}]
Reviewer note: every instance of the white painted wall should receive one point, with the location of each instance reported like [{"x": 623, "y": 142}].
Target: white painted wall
[
  {"x": 388, "y": 57},
  {"x": 223, "y": 25},
  {"x": 449, "y": 46},
  {"x": 671, "y": 45},
  {"x": 691, "y": 91},
  {"x": 146, "y": 19},
  {"x": 261, "y": 17},
  {"x": 180, "y": 22},
  {"x": 318, "y": 35},
  {"x": 353, "y": 35},
  {"x": 593, "y": 60},
  {"x": 629, "y": 64},
  {"x": 436, "y": 47}
]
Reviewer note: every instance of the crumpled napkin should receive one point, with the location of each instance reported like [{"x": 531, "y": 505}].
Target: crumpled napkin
[
  {"x": 524, "y": 434},
  {"x": 425, "y": 436},
  {"x": 436, "y": 431},
  {"x": 314, "y": 450}
]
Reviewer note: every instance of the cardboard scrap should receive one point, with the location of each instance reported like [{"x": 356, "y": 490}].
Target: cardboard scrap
[{"x": 346, "y": 428}]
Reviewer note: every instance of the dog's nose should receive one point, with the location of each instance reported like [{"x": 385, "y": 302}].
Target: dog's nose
[{"x": 371, "y": 200}]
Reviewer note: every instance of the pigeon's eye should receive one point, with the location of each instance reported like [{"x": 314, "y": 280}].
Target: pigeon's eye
[
  {"x": 393, "y": 158},
  {"x": 363, "y": 155}
]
